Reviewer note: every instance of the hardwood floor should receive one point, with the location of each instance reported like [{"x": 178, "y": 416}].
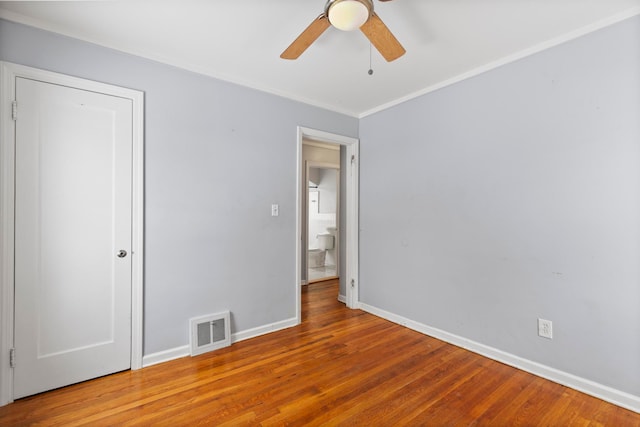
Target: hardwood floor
[{"x": 339, "y": 367}]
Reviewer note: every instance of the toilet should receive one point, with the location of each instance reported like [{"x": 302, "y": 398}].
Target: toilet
[
  {"x": 325, "y": 241},
  {"x": 317, "y": 256}
]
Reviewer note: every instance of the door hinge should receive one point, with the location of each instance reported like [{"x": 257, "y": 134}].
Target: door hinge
[
  {"x": 12, "y": 358},
  {"x": 14, "y": 110},
  {"x": 353, "y": 159}
]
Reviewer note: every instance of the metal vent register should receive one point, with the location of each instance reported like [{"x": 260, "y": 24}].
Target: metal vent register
[{"x": 209, "y": 333}]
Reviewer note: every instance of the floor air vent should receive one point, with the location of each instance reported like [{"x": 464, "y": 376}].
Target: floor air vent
[{"x": 210, "y": 332}]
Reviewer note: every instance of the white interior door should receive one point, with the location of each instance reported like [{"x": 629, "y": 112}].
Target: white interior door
[{"x": 73, "y": 176}]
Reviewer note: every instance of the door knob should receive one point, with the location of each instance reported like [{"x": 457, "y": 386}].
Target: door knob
[{"x": 122, "y": 253}]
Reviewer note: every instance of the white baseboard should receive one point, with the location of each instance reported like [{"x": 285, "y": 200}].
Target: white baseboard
[
  {"x": 342, "y": 299},
  {"x": 182, "y": 351},
  {"x": 265, "y": 329},
  {"x": 592, "y": 388},
  {"x": 165, "y": 356},
  {"x": 304, "y": 282}
]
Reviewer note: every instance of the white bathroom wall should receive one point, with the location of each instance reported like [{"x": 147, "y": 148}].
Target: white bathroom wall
[
  {"x": 327, "y": 195},
  {"x": 318, "y": 223},
  {"x": 328, "y": 188}
]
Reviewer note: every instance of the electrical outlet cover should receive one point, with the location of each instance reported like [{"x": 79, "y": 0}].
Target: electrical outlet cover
[{"x": 545, "y": 328}]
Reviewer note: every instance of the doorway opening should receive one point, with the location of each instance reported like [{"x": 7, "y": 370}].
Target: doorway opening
[
  {"x": 323, "y": 210},
  {"x": 327, "y": 205}
]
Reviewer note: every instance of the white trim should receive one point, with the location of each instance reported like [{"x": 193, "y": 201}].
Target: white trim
[
  {"x": 7, "y": 153},
  {"x": 351, "y": 197},
  {"x": 182, "y": 351},
  {"x": 264, "y": 329},
  {"x": 325, "y": 137},
  {"x": 352, "y": 244},
  {"x": 165, "y": 356},
  {"x": 592, "y": 388},
  {"x": 137, "y": 236},
  {"x": 509, "y": 59},
  {"x": 8, "y": 74},
  {"x": 298, "y": 231},
  {"x": 342, "y": 299}
]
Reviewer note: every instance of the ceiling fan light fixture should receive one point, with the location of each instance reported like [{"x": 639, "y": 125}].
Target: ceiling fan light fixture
[{"x": 348, "y": 15}]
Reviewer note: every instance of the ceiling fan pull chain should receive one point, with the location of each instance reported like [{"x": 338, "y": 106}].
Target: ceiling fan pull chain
[{"x": 370, "y": 69}]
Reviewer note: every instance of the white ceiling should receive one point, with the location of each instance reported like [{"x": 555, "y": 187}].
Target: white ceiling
[{"x": 241, "y": 40}]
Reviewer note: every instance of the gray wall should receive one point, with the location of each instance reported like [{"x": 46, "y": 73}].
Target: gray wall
[
  {"x": 516, "y": 195},
  {"x": 211, "y": 243}
]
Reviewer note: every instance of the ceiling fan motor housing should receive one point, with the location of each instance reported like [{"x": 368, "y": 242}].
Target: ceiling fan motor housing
[{"x": 348, "y": 15}]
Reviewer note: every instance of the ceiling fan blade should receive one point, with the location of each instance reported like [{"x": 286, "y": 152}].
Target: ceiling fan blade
[
  {"x": 382, "y": 39},
  {"x": 306, "y": 38}
]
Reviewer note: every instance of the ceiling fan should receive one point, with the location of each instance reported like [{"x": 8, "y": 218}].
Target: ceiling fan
[{"x": 348, "y": 15}]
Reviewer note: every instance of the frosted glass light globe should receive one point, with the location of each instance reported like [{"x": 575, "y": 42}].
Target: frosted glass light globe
[{"x": 348, "y": 15}]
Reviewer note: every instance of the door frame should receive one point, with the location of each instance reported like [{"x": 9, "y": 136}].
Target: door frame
[
  {"x": 351, "y": 198},
  {"x": 9, "y": 72}
]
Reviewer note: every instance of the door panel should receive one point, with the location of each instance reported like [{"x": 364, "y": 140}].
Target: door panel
[{"x": 72, "y": 215}]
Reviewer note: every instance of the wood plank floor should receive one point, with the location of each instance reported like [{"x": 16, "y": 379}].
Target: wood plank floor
[{"x": 339, "y": 367}]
